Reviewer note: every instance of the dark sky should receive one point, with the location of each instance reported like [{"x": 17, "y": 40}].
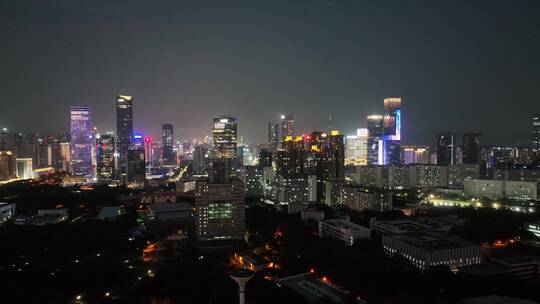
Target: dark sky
[{"x": 459, "y": 65}]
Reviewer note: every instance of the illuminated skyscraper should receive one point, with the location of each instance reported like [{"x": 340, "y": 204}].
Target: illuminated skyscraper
[
  {"x": 124, "y": 132},
  {"x": 225, "y": 134},
  {"x": 391, "y": 141},
  {"x": 169, "y": 158},
  {"x": 375, "y": 133},
  {"x": 287, "y": 126},
  {"x": 536, "y": 132},
  {"x": 356, "y": 152},
  {"x": 471, "y": 148},
  {"x": 105, "y": 147},
  {"x": 446, "y": 149},
  {"x": 81, "y": 141}
]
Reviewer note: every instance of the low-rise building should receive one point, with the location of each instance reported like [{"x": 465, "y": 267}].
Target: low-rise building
[
  {"x": 315, "y": 290},
  {"x": 424, "y": 249},
  {"x": 343, "y": 230},
  {"x": 171, "y": 211}
]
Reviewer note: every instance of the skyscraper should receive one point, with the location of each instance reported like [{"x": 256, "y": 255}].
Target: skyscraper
[
  {"x": 225, "y": 137},
  {"x": 105, "y": 147},
  {"x": 273, "y": 136},
  {"x": 356, "y": 152},
  {"x": 169, "y": 159},
  {"x": 81, "y": 141},
  {"x": 334, "y": 157},
  {"x": 536, "y": 132},
  {"x": 124, "y": 132},
  {"x": 287, "y": 126},
  {"x": 375, "y": 133},
  {"x": 471, "y": 148},
  {"x": 445, "y": 148},
  {"x": 136, "y": 166},
  {"x": 392, "y": 132}
]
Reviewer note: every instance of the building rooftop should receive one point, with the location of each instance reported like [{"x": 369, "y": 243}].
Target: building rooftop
[
  {"x": 434, "y": 240},
  {"x": 338, "y": 222},
  {"x": 110, "y": 212},
  {"x": 170, "y": 207},
  {"x": 313, "y": 290}
]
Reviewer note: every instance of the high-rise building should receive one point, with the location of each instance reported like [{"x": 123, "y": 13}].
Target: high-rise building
[
  {"x": 471, "y": 148},
  {"x": 105, "y": 147},
  {"x": 391, "y": 142},
  {"x": 124, "y": 132},
  {"x": 446, "y": 149},
  {"x": 81, "y": 141},
  {"x": 375, "y": 133},
  {"x": 136, "y": 167},
  {"x": 536, "y": 132},
  {"x": 415, "y": 155},
  {"x": 169, "y": 159},
  {"x": 273, "y": 136},
  {"x": 356, "y": 152},
  {"x": 334, "y": 157},
  {"x": 200, "y": 160},
  {"x": 220, "y": 210},
  {"x": 225, "y": 137},
  {"x": 287, "y": 126}
]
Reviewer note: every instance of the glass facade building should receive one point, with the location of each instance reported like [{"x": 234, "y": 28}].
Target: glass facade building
[{"x": 81, "y": 141}]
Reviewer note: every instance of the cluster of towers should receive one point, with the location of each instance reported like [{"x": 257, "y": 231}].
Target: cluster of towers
[{"x": 123, "y": 158}]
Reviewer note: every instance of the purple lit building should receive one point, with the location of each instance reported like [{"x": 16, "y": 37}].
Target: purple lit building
[{"x": 81, "y": 141}]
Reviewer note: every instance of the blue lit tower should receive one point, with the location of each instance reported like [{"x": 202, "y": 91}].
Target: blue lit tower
[
  {"x": 390, "y": 145},
  {"x": 81, "y": 141}
]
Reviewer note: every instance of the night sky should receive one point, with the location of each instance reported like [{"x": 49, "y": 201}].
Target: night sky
[{"x": 458, "y": 65}]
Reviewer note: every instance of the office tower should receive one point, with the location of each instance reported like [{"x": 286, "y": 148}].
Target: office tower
[
  {"x": 81, "y": 141},
  {"x": 356, "y": 152},
  {"x": 200, "y": 160},
  {"x": 391, "y": 132},
  {"x": 471, "y": 148},
  {"x": 287, "y": 126},
  {"x": 220, "y": 171},
  {"x": 446, "y": 149},
  {"x": 169, "y": 159},
  {"x": 220, "y": 210},
  {"x": 136, "y": 167},
  {"x": 105, "y": 147},
  {"x": 375, "y": 133},
  {"x": 124, "y": 133},
  {"x": 536, "y": 132},
  {"x": 273, "y": 136},
  {"x": 225, "y": 137},
  {"x": 415, "y": 155}
]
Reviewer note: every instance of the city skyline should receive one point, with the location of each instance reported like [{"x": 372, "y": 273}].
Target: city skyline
[{"x": 296, "y": 58}]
